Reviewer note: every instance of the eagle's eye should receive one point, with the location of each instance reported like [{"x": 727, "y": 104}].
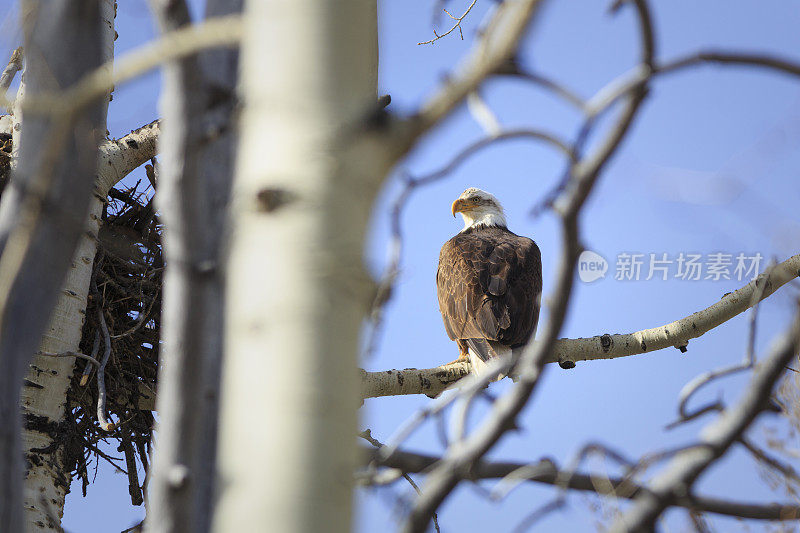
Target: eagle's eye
[{"x": 476, "y": 200}]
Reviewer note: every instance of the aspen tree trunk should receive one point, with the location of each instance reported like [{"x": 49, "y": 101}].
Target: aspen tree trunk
[
  {"x": 44, "y": 393},
  {"x": 41, "y": 216},
  {"x": 198, "y": 147},
  {"x": 296, "y": 287}
]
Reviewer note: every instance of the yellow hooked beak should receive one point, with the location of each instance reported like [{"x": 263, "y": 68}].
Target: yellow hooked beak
[{"x": 459, "y": 206}]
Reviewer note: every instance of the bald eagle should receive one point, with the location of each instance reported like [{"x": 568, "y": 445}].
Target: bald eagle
[{"x": 489, "y": 283}]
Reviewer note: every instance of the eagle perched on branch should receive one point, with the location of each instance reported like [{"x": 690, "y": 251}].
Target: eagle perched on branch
[{"x": 489, "y": 283}]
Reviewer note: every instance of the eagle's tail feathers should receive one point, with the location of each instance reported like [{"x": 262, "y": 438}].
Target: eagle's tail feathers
[{"x": 482, "y": 353}]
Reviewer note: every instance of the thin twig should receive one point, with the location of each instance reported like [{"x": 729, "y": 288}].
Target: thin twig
[
  {"x": 78, "y": 355},
  {"x": 763, "y": 457},
  {"x": 367, "y": 436},
  {"x": 457, "y": 25},
  {"x": 134, "y": 489},
  {"x": 87, "y": 370},
  {"x": 493, "y": 48},
  {"x": 538, "y": 514},
  {"x": 566, "y": 94},
  {"x": 102, "y": 417},
  {"x": 143, "y": 318}
]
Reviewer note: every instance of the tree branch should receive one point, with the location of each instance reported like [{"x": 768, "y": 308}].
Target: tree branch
[
  {"x": 102, "y": 415},
  {"x": 787, "y": 471},
  {"x": 547, "y": 473},
  {"x": 433, "y": 381},
  {"x": 456, "y": 25},
  {"x": 678, "y": 333},
  {"x": 14, "y": 66},
  {"x": 494, "y": 47},
  {"x": 429, "y": 381},
  {"x": 216, "y": 32},
  {"x": 623, "y": 84},
  {"x": 120, "y": 157},
  {"x": 678, "y": 477}
]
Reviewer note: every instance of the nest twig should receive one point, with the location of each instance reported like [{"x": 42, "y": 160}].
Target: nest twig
[{"x": 126, "y": 289}]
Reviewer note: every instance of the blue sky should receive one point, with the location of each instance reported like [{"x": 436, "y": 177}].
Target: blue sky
[{"x": 710, "y": 166}]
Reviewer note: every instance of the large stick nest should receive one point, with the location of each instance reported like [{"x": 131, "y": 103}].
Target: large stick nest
[{"x": 126, "y": 286}]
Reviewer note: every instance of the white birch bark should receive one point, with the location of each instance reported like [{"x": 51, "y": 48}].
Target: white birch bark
[
  {"x": 198, "y": 105},
  {"x": 44, "y": 398},
  {"x": 40, "y": 223},
  {"x": 16, "y": 120},
  {"x": 46, "y": 479},
  {"x": 14, "y": 66},
  {"x": 296, "y": 285},
  {"x": 44, "y": 394}
]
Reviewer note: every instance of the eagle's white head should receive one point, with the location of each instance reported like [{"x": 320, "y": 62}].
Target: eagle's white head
[{"x": 479, "y": 208}]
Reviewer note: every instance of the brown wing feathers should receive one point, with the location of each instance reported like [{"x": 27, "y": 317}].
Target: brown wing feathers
[{"x": 488, "y": 284}]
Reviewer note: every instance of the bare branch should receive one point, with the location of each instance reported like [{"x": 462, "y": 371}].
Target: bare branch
[
  {"x": 623, "y": 84},
  {"x": 677, "y": 479},
  {"x": 540, "y": 513},
  {"x": 120, "y": 157},
  {"x": 547, "y": 473},
  {"x": 433, "y": 381},
  {"x": 87, "y": 370},
  {"x": 457, "y": 25},
  {"x": 14, "y": 66},
  {"x": 483, "y": 114},
  {"x": 495, "y": 46},
  {"x": 367, "y": 436},
  {"x": 83, "y": 356},
  {"x": 678, "y": 333},
  {"x": 477, "y": 146},
  {"x": 566, "y": 94},
  {"x": 733, "y": 58},
  {"x": 220, "y": 31},
  {"x": 134, "y": 489},
  {"x": 763, "y": 457},
  {"x": 102, "y": 416},
  {"x": 429, "y": 381}
]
